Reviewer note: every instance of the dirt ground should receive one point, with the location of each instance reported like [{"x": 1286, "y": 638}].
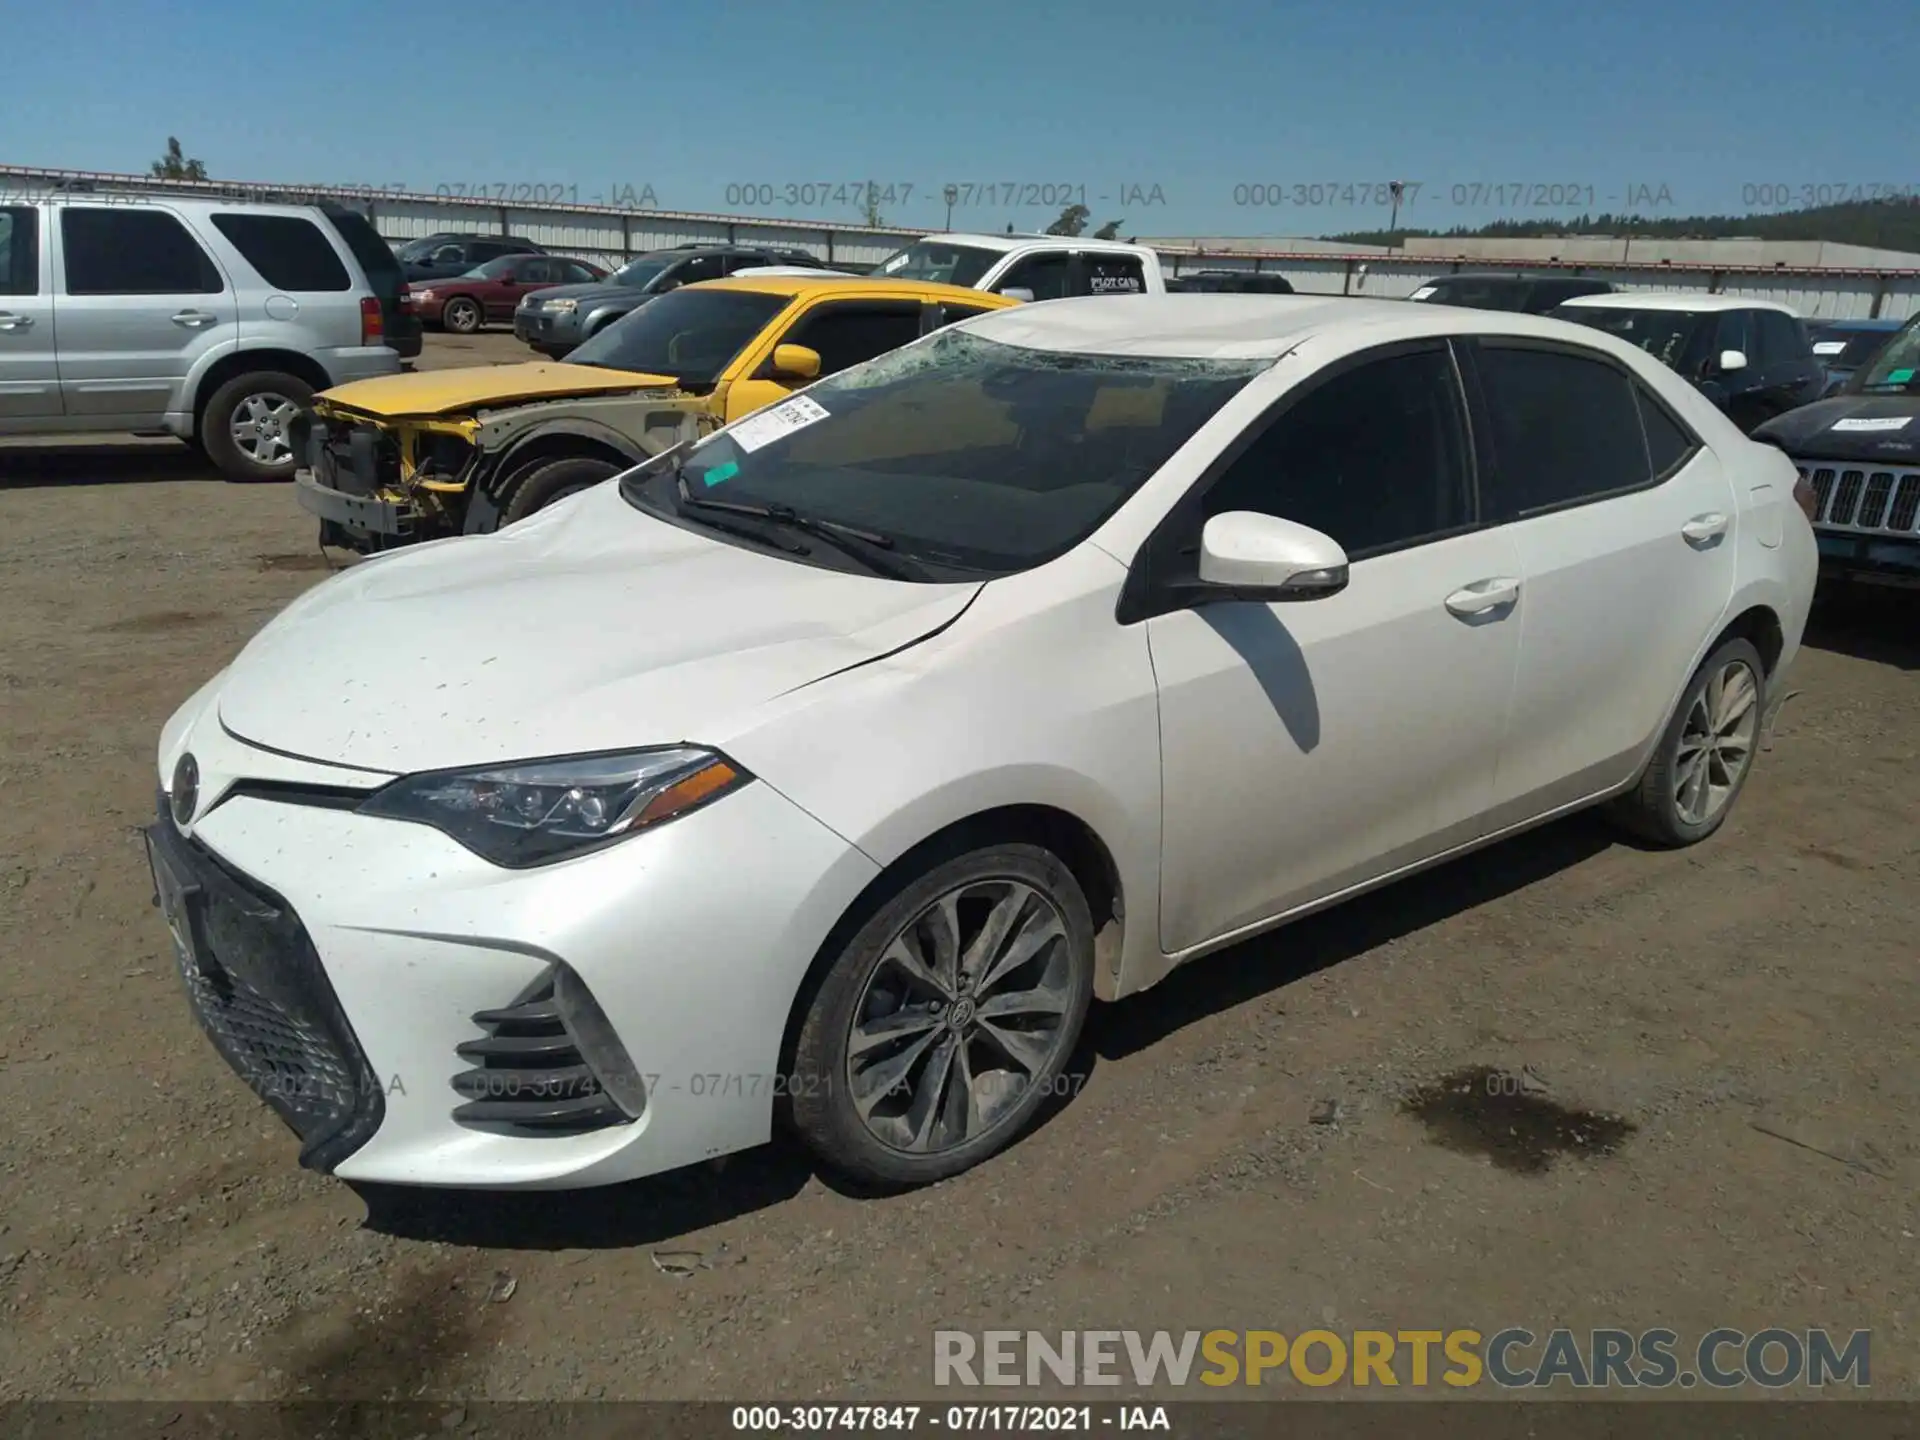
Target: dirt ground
[{"x": 1746, "y": 1009}]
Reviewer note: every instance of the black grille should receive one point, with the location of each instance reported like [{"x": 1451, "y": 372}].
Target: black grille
[
  {"x": 261, "y": 994},
  {"x": 1873, "y": 505},
  {"x": 1822, "y": 491},
  {"x": 532, "y": 1068},
  {"x": 1906, "y": 504},
  {"x": 1847, "y": 498}
]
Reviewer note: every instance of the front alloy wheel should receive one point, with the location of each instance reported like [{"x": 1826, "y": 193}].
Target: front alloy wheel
[{"x": 948, "y": 1019}]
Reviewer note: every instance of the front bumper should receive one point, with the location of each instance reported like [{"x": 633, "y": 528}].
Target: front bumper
[
  {"x": 691, "y": 941},
  {"x": 1874, "y": 559},
  {"x": 356, "y": 512},
  {"x": 542, "y": 329}
]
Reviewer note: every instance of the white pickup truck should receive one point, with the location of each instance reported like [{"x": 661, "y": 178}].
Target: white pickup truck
[{"x": 1029, "y": 267}]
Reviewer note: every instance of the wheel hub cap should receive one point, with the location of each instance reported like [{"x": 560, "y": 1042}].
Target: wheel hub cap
[
  {"x": 964, "y": 1012},
  {"x": 1716, "y": 743}
]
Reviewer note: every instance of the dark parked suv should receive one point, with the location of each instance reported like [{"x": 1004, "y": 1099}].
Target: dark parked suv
[
  {"x": 1230, "y": 282},
  {"x": 1859, "y": 451},
  {"x": 435, "y": 257},
  {"x": 1750, "y": 357},
  {"x": 1530, "y": 294},
  {"x": 556, "y": 320}
]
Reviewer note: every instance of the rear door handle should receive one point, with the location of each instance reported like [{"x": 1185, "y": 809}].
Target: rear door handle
[
  {"x": 1702, "y": 528},
  {"x": 10, "y": 321},
  {"x": 194, "y": 319},
  {"x": 1484, "y": 595}
]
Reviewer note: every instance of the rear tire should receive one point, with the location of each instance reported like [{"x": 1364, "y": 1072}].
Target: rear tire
[
  {"x": 461, "y": 315},
  {"x": 244, "y": 428},
  {"x": 973, "y": 1047},
  {"x": 1706, "y": 754},
  {"x": 553, "y": 481}
]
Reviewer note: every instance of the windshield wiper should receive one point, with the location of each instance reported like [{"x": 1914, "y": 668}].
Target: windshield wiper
[{"x": 866, "y": 546}]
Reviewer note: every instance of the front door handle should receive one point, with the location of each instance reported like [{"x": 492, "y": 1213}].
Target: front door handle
[
  {"x": 10, "y": 321},
  {"x": 1702, "y": 528},
  {"x": 194, "y": 319},
  {"x": 1484, "y": 595}
]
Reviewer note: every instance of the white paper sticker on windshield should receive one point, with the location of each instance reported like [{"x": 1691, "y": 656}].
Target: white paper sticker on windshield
[
  {"x": 1829, "y": 347},
  {"x": 1421, "y": 293},
  {"x": 776, "y": 423},
  {"x": 1891, "y": 422}
]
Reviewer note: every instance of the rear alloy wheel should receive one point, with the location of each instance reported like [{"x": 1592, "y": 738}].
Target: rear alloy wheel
[
  {"x": 246, "y": 428},
  {"x": 1705, "y": 755},
  {"x": 552, "y": 482},
  {"x": 948, "y": 1019},
  {"x": 461, "y": 315}
]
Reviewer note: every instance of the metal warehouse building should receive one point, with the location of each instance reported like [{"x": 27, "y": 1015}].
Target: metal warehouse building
[{"x": 1819, "y": 279}]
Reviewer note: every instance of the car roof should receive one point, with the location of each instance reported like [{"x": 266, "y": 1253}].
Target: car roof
[
  {"x": 1198, "y": 325},
  {"x": 1512, "y": 277},
  {"x": 1009, "y": 243},
  {"x": 855, "y": 286},
  {"x": 1693, "y": 301},
  {"x": 1864, "y": 325}
]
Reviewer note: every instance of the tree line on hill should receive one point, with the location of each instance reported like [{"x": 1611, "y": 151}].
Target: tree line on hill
[{"x": 1880, "y": 224}]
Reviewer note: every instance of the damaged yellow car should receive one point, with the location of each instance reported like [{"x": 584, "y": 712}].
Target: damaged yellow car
[{"x": 447, "y": 452}]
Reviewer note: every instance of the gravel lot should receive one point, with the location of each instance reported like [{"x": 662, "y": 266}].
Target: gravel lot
[{"x": 1747, "y": 1009}]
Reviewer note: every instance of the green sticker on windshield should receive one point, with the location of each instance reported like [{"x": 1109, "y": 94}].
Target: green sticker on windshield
[
  {"x": 1899, "y": 377},
  {"x": 721, "y": 472}
]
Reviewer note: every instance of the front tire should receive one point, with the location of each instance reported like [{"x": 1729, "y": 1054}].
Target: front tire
[
  {"x": 1706, "y": 754},
  {"x": 245, "y": 429},
  {"x": 554, "y": 481},
  {"x": 461, "y": 315},
  {"x": 946, "y": 1022}
]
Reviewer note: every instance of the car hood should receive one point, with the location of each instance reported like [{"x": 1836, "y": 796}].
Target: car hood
[
  {"x": 479, "y": 387},
  {"x": 589, "y": 626},
  {"x": 1882, "y": 428},
  {"x": 597, "y": 293}
]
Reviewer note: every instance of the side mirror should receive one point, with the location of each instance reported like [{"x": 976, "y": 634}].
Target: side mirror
[
  {"x": 795, "y": 362},
  {"x": 1250, "y": 556},
  {"x": 1016, "y": 292},
  {"x": 1731, "y": 360}
]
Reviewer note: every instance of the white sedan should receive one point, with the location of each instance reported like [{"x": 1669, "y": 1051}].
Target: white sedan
[{"x": 830, "y": 769}]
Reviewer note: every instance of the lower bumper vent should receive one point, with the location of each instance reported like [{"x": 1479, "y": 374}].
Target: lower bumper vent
[{"x": 550, "y": 1061}]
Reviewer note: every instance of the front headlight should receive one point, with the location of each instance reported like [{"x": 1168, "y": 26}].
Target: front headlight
[
  {"x": 562, "y": 307},
  {"x": 535, "y": 811},
  {"x": 419, "y": 295}
]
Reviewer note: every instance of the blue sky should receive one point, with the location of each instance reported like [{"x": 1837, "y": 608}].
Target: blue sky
[{"x": 1230, "y": 118}]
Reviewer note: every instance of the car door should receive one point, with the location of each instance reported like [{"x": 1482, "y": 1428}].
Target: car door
[
  {"x": 518, "y": 275},
  {"x": 139, "y": 302},
  {"x": 841, "y": 332},
  {"x": 1623, "y": 523},
  {"x": 1310, "y": 746},
  {"x": 1793, "y": 376},
  {"x": 29, "y": 377}
]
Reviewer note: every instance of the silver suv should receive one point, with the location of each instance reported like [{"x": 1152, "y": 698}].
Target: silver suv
[{"x": 212, "y": 320}]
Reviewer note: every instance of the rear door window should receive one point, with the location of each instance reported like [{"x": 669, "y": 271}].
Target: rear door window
[
  {"x": 1114, "y": 274},
  {"x": 1565, "y": 430},
  {"x": 134, "y": 250},
  {"x": 288, "y": 251}
]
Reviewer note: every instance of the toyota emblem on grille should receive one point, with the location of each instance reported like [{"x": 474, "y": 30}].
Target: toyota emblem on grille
[{"x": 186, "y": 789}]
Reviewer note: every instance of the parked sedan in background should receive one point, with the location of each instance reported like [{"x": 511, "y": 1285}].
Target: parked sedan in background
[
  {"x": 849, "y": 755},
  {"x": 1750, "y": 357},
  {"x": 557, "y": 320},
  {"x": 491, "y": 292},
  {"x": 1843, "y": 346},
  {"x": 452, "y": 252}
]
